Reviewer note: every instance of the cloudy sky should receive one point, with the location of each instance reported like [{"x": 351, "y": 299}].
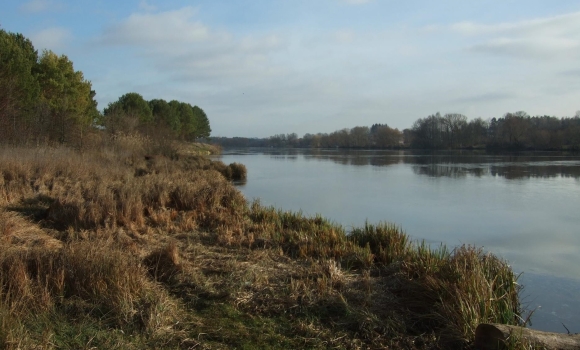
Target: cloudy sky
[{"x": 264, "y": 67}]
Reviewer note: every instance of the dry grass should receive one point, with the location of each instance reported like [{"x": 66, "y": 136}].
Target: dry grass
[{"x": 119, "y": 247}]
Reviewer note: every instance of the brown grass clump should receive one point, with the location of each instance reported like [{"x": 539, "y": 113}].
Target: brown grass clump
[
  {"x": 82, "y": 278},
  {"x": 163, "y": 263},
  {"x": 15, "y": 231},
  {"x": 239, "y": 171},
  {"x": 234, "y": 171},
  {"x": 132, "y": 245}
]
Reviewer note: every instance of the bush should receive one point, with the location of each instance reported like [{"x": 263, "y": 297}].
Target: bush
[{"x": 238, "y": 171}]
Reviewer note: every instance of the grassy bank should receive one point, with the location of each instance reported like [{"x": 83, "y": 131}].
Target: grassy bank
[{"x": 126, "y": 246}]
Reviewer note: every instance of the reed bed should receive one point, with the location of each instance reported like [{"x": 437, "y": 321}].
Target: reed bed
[{"x": 119, "y": 247}]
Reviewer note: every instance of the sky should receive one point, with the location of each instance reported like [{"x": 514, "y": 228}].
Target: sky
[{"x": 264, "y": 67}]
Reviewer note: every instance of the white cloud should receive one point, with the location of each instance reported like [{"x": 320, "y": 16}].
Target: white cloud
[
  {"x": 169, "y": 28},
  {"x": 552, "y": 37},
  {"x": 54, "y": 38},
  {"x": 180, "y": 46}
]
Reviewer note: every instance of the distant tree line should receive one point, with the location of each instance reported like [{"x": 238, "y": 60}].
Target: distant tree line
[
  {"x": 43, "y": 99},
  {"x": 513, "y": 131},
  {"x": 377, "y": 136}
]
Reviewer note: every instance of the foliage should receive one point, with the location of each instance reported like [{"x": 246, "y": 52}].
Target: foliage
[
  {"x": 67, "y": 94},
  {"x": 164, "y": 115},
  {"x": 179, "y": 119},
  {"x": 513, "y": 131},
  {"x": 202, "y": 128},
  {"x": 42, "y": 98},
  {"x": 378, "y": 136},
  {"x": 127, "y": 113},
  {"x": 19, "y": 88},
  {"x": 45, "y": 100}
]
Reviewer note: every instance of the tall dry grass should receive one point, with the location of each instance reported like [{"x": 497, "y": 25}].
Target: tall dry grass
[
  {"x": 143, "y": 241},
  {"x": 93, "y": 278}
]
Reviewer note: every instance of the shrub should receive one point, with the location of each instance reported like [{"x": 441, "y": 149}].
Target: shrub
[{"x": 238, "y": 171}]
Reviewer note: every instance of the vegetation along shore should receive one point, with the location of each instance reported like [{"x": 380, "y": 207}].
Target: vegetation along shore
[{"x": 114, "y": 248}]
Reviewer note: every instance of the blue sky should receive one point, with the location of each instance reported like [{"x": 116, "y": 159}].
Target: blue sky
[{"x": 260, "y": 68}]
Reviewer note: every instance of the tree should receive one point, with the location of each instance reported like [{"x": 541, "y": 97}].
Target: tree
[
  {"x": 165, "y": 115},
  {"x": 515, "y": 126},
  {"x": 187, "y": 119},
  {"x": 278, "y": 140},
  {"x": 292, "y": 139},
  {"x": 339, "y": 138},
  {"x": 19, "y": 88},
  {"x": 384, "y": 137},
  {"x": 203, "y": 130},
  {"x": 129, "y": 112},
  {"x": 428, "y": 132},
  {"x": 67, "y": 95},
  {"x": 134, "y": 105},
  {"x": 454, "y": 125},
  {"x": 359, "y": 136},
  {"x": 476, "y": 132}
]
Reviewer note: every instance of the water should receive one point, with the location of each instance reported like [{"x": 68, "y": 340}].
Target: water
[{"x": 524, "y": 208}]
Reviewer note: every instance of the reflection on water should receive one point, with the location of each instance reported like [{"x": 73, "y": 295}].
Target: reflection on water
[
  {"x": 460, "y": 163},
  {"x": 522, "y": 207},
  {"x": 507, "y": 170}
]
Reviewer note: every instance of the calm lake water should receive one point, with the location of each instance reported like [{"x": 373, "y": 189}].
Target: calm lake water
[{"x": 523, "y": 207}]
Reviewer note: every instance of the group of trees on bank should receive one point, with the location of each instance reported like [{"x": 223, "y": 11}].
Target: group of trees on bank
[
  {"x": 513, "y": 131},
  {"x": 172, "y": 119},
  {"x": 43, "y": 99},
  {"x": 377, "y": 136}
]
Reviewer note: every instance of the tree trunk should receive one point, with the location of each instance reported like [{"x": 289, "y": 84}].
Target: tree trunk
[{"x": 497, "y": 336}]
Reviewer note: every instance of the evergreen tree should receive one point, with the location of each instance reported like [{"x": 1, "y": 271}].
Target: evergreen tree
[
  {"x": 203, "y": 129},
  {"x": 19, "y": 88},
  {"x": 67, "y": 94},
  {"x": 128, "y": 113}
]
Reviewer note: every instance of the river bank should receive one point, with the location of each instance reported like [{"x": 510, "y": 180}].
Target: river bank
[{"x": 122, "y": 248}]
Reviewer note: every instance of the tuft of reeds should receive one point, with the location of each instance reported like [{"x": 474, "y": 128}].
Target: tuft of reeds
[{"x": 387, "y": 242}]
